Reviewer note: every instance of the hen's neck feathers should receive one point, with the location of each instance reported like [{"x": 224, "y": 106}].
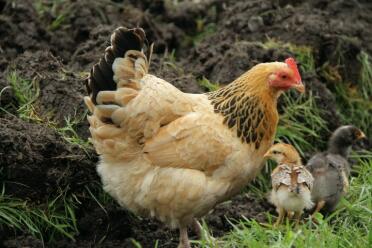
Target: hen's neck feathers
[{"x": 249, "y": 105}]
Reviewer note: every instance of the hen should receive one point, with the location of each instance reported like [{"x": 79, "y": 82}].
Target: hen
[
  {"x": 331, "y": 169},
  {"x": 291, "y": 182},
  {"x": 173, "y": 155}
]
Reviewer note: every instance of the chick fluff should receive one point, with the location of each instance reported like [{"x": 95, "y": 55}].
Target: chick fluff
[
  {"x": 291, "y": 183},
  {"x": 331, "y": 169}
]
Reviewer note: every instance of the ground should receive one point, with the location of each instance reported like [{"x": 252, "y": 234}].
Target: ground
[{"x": 48, "y": 47}]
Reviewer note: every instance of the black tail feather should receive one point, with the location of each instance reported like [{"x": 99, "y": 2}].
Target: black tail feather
[{"x": 101, "y": 75}]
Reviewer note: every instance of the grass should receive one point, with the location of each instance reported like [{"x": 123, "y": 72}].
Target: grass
[
  {"x": 54, "y": 8},
  {"x": 26, "y": 92},
  {"x": 207, "y": 85},
  {"x": 303, "y": 54},
  {"x": 365, "y": 76},
  {"x": 353, "y": 99},
  {"x": 353, "y": 107},
  {"x": 69, "y": 134},
  {"x": 301, "y": 123},
  {"x": 54, "y": 219},
  {"x": 348, "y": 226},
  {"x": 203, "y": 31}
]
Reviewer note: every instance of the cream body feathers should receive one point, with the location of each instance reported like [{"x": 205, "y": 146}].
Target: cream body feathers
[
  {"x": 187, "y": 160},
  {"x": 170, "y": 154}
]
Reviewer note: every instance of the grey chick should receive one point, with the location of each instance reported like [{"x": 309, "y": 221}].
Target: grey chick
[{"x": 331, "y": 169}]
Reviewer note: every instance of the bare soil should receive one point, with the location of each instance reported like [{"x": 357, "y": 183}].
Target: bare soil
[{"x": 36, "y": 161}]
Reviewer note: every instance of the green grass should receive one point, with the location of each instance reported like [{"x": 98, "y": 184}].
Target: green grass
[
  {"x": 365, "y": 76},
  {"x": 300, "y": 123},
  {"x": 47, "y": 222},
  {"x": 69, "y": 134},
  {"x": 203, "y": 31},
  {"x": 303, "y": 54},
  {"x": 54, "y": 8},
  {"x": 354, "y": 108},
  {"x": 348, "y": 226},
  {"x": 353, "y": 99},
  {"x": 25, "y": 92},
  {"x": 207, "y": 85}
]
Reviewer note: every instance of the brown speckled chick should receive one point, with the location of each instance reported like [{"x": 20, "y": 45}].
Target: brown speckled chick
[
  {"x": 291, "y": 182},
  {"x": 331, "y": 169}
]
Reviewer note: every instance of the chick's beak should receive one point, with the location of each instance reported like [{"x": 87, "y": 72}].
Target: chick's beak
[
  {"x": 361, "y": 135},
  {"x": 267, "y": 155},
  {"x": 300, "y": 87}
]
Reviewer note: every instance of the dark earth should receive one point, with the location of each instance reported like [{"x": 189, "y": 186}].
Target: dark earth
[{"x": 55, "y": 43}]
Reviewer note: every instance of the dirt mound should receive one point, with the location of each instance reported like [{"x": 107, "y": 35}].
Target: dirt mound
[{"x": 40, "y": 159}]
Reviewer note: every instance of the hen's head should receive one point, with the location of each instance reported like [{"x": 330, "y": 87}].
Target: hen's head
[
  {"x": 286, "y": 77},
  {"x": 283, "y": 153},
  {"x": 274, "y": 77}
]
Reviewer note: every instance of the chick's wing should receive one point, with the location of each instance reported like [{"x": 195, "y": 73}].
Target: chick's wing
[
  {"x": 305, "y": 176},
  {"x": 281, "y": 175}
]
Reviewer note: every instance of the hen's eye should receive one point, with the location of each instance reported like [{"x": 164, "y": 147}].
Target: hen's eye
[{"x": 284, "y": 76}]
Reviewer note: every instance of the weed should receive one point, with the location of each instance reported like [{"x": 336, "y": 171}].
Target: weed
[
  {"x": 47, "y": 222},
  {"x": 207, "y": 85},
  {"x": 26, "y": 92},
  {"x": 102, "y": 198},
  {"x": 354, "y": 109},
  {"x": 365, "y": 76},
  {"x": 304, "y": 54},
  {"x": 204, "y": 30},
  {"x": 57, "y": 22},
  {"x": 301, "y": 123},
  {"x": 53, "y": 8},
  {"x": 69, "y": 133}
]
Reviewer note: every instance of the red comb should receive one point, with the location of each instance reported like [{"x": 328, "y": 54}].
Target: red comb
[{"x": 292, "y": 64}]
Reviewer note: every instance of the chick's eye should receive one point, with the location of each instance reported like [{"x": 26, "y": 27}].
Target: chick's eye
[{"x": 276, "y": 152}]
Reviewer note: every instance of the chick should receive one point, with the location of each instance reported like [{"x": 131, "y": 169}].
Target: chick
[
  {"x": 291, "y": 182},
  {"x": 331, "y": 169}
]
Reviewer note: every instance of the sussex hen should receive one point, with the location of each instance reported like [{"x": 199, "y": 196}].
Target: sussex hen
[{"x": 173, "y": 155}]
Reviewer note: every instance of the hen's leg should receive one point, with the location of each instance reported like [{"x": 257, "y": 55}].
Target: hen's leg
[
  {"x": 281, "y": 212},
  {"x": 198, "y": 229},
  {"x": 318, "y": 207},
  {"x": 184, "y": 239}
]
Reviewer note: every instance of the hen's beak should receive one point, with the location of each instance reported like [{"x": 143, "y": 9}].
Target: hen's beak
[
  {"x": 361, "y": 135},
  {"x": 300, "y": 87}
]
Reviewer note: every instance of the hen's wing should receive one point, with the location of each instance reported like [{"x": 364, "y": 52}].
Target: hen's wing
[{"x": 184, "y": 142}]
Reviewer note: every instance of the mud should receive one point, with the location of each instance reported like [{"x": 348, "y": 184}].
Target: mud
[{"x": 55, "y": 44}]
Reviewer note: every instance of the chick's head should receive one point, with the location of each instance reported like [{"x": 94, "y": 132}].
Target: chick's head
[
  {"x": 346, "y": 136},
  {"x": 283, "y": 153}
]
